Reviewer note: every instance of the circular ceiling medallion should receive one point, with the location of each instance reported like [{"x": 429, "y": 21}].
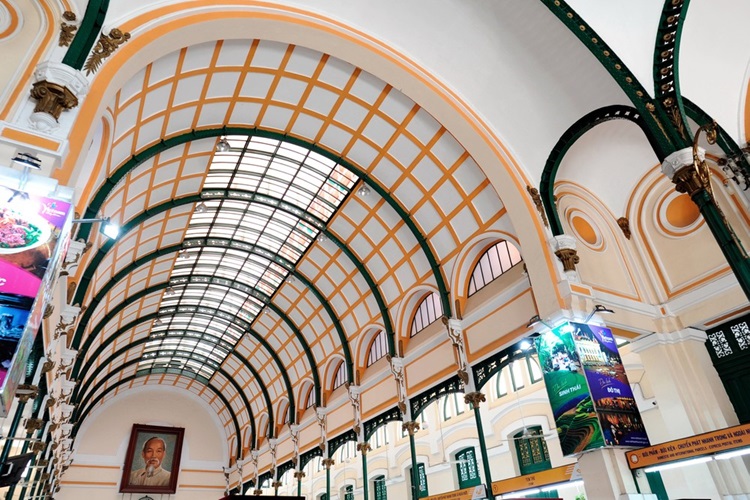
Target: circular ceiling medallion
[
  {"x": 586, "y": 231},
  {"x": 681, "y": 212}
]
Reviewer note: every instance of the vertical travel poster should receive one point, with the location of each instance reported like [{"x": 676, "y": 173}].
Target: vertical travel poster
[
  {"x": 577, "y": 424},
  {"x": 613, "y": 399},
  {"x": 31, "y": 228}
]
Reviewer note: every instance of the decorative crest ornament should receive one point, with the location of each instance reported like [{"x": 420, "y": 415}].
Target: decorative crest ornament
[
  {"x": 354, "y": 399},
  {"x": 397, "y": 369},
  {"x": 624, "y": 224},
  {"x": 536, "y": 198},
  {"x": 105, "y": 47},
  {"x": 67, "y": 31},
  {"x": 454, "y": 327}
]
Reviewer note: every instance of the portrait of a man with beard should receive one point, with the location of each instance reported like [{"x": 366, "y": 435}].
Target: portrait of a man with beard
[
  {"x": 152, "y": 473},
  {"x": 152, "y": 462}
]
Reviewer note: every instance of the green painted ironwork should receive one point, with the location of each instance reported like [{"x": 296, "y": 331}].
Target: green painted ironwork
[
  {"x": 87, "y": 34},
  {"x": 130, "y": 378},
  {"x": 566, "y": 141},
  {"x": 654, "y": 116},
  {"x": 85, "y": 385},
  {"x": 666, "y": 70},
  {"x": 483, "y": 451},
  {"x": 101, "y": 195}
]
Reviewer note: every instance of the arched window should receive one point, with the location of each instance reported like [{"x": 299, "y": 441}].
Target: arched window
[
  {"x": 428, "y": 311},
  {"x": 535, "y": 371},
  {"x": 498, "y": 259},
  {"x": 310, "y": 397},
  {"x": 501, "y": 383},
  {"x": 421, "y": 481},
  {"x": 379, "y": 437},
  {"x": 340, "y": 377},
  {"x": 531, "y": 450},
  {"x": 378, "y": 348},
  {"x": 378, "y": 484},
  {"x": 466, "y": 468},
  {"x": 452, "y": 407},
  {"x": 349, "y": 492},
  {"x": 516, "y": 374}
]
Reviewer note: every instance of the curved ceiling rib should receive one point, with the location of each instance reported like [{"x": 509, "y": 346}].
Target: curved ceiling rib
[
  {"x": 86, "y": 394},
  {"x": 131, "y": 378},
  {"x": 97, "y": 201},
  {"x": 86, "y": 377}
]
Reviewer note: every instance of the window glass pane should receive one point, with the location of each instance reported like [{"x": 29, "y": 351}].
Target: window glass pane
[
  {"x": 428, "y": 311},
  {"x": 497, "y": 260}
]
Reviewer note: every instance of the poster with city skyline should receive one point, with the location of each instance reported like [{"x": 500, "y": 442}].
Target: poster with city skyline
[{"x": 612, "y": 397}]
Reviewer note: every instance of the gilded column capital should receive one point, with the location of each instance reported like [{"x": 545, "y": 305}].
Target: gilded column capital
[
  {"x": 299, "y": 474},
  {"x": 411, "y": 427},
  {"x": 57, "y": 87},
  {"x": 34, "y": 424},
  {"x": 328, "y": 462},
  {"x": 24, "y": 392},
  {"x": 474, "y": 399},
  {"x": 363, "y": 448}
]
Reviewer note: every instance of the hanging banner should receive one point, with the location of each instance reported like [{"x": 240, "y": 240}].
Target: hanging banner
[
  {"x": 588, "y": 389},
  {"x": 33, "y": 232},
  {"x": 575, "y": 417},
  {"x": 612, "y": 396}
]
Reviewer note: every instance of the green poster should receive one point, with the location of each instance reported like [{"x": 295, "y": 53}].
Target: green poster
[{"x": 577, "y": 424}]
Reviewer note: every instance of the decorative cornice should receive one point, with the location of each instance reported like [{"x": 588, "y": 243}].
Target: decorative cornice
[{"x": 679, "y": 159}]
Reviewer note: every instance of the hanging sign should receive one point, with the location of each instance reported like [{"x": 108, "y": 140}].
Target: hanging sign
[
  {"x": 588, "y": 389},
  {"x": 475, "y": 492},
  {"x": 543, "y": 478}
]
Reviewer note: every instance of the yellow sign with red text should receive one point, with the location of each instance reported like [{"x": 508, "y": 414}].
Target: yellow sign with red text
[
  {"x": 693, "y": 446},
  {"x": 543, "y": 478}
]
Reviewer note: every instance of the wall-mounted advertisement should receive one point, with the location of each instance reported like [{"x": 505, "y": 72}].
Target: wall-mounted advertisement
[
  {"x": 613, "y": 398},
  {"x": 32, "y": 232},
  {"x": 577, "y": 424}
]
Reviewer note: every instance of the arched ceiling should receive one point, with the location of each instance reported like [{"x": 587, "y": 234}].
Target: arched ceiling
[{"x": 222, "y": 276}]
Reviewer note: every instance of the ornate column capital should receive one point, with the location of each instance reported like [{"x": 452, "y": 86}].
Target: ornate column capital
[
  {"x": 363, "y": 448},
  {"x": 328, "y": 462},
  {"x": 299, "y": 474},
  {"x": 25, "y": 392},
  {"x": 474, "y": 399},
  {"x": 57, "y": 87},
  {"x": 564, "y": 247},
  {"x": 680, "y": 159},
  {"x": 411, "y": 427}
]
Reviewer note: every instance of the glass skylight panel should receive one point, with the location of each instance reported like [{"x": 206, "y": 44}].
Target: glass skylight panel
[{"x": 264, "y": 199}]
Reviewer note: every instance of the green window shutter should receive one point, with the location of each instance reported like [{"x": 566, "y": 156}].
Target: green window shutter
[
  {"x": 466, "y": 468},
  {"x": 380, "y": 489},
  {"x": 349, "y": 493},
  {"x": 532, "y": 451}
]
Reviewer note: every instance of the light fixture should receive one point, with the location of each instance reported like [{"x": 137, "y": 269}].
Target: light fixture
[
  {"x": 291, "y": 279},
  {"x": 681, "y": 463},
  {"x": 223, "y": 145},
  {"x": 322, "y": 237},
  {"x": 536, "y": 319},
  {"x": 525, "y": 345},
  {"x": 27, "y": 160},
  {"x": 107, "y": 228},
  {"x": 201, "y": 208},
  {"x": 598, "y": 308},
  {"x": 158, "y": 322},
  {"x": 363, "y": 190},
  {"x": 169, "y": 291},
  {"x": 183, "y": 254}
]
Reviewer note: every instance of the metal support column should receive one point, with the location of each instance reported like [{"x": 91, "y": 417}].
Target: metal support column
[{"x": 474, "y": 399}]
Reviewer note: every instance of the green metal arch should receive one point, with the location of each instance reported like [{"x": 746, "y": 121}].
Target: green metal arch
[
  {"x": 655, "y": 118},
  {"x": 86, "y": 278},
  {"x": 101, "y": 195},
  {"x": 149, "y": 317},
  {"x": 87, "y": 33},
  {"x": 133, "y": 377},
  {"x": 666, "y": 67},
  {"x": 580, "y": 127},
  {"x": 124, "y": 349}
]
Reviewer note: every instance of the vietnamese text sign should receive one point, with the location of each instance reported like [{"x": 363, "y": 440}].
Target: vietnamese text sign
[
  {"x": 475, "y": 492},
  {"x": 694, "y": 446},
  {"x": 608, "y": 383},
  {"x": 543, "y": 478},
  {"x": 576, "y": 420}
]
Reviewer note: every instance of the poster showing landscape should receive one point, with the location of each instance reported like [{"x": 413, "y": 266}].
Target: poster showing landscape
[
  {"x": 576, "y": 420},
  {"x": 610, "y": 390}
]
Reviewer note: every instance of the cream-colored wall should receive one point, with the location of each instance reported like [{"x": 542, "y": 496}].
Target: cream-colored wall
[{"x": 103, "y": 439}]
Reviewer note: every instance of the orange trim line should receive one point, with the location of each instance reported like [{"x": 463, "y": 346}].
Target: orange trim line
[
  {"x": 13, "y": 19},
  {"x": 31, "y": 139},
  {"x": 89, "y": 107}
]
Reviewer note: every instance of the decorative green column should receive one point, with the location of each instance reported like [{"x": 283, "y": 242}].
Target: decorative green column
[
  {"x": 412, "y": 428},
  {"x": 473, "y": 399},
  {"x": 363, "y": 448},
  {"x": 328, "y": 462},
  {"x": 298, "y": 475},
  {"x": 688, "y": 170},
  {"x": 17, "y": 416}
]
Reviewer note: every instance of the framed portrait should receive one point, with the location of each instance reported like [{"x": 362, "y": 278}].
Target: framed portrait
[{"x": 152, "y": 463}]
